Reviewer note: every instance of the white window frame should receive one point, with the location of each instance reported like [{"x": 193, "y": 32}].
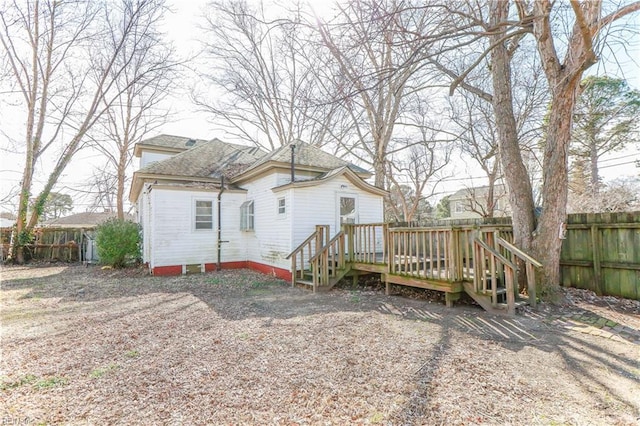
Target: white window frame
[
  {"x": 195, "y": 215},
  {"x": 460, "y": 207},
  {"x": 247, "y": 216},
  {"x": 281, "y": 207},
  {"x": 356, "y": 217}
]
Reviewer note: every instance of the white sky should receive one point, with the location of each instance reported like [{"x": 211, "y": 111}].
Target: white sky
[{"x": 183, "y": 28}]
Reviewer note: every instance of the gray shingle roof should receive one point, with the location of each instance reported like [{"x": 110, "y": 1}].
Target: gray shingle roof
[
  {"x": 208, "y": 159},
  {"x": 307, "y": 155}
]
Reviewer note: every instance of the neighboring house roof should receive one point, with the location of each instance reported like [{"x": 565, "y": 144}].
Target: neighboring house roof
[
  {"x": 83, "y": 220},
  {"x": 325, "y": 177},
  {"x": 305, "y": 156}
]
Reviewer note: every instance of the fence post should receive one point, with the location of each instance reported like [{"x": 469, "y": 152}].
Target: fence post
[{"x": 597, "y": 271}]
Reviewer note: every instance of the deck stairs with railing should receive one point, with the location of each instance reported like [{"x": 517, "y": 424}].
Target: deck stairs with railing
[{"x": 478, "y": 260}]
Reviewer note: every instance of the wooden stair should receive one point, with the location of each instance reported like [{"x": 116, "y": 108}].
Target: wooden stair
[
  {"x": 485, "y": 299},
  {"x": 307, "y": 279}
]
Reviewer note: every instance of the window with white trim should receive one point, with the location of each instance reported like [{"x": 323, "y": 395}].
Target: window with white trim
[
  {"x": 246, "y": 216},
  {"x": 282, "y": 206},
  {"x": 460, "y": 207},
  {"x": 203, "y": 218}
]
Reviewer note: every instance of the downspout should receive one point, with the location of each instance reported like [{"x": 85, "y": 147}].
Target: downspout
[{"x": 219, "y": 264}]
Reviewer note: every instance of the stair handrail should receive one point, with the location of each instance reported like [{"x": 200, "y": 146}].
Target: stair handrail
[
  {"x": 530, "y": 265},
  {"x": 326, "y": 246},
  {"x": 316, "y": 236},
  {"x": 518, "y": 252},
  {"x": 302, "y": 244},
  {"x": 494, "y": 252},
  {"x": 320, "y": 270},
  {"x": 509, "y": 269}
]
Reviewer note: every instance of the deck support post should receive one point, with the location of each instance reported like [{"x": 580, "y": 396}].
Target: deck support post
[{"x": 449, "y": 298}]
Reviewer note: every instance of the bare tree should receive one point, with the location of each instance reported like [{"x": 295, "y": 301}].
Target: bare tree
[
  {"x": 262, "y": 75},
  {"x": 64, "y": 59},
  {"x": 416, "y": 161},
  {"x": 141, "y": 82},
  {"x": 377, "y": 46},
  {"x": 579, "y": 30}
]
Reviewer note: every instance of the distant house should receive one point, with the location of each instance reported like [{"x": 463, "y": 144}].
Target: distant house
[
  {"x": 86, "y": 220},
  {"x": 471, "y": 203},
  {"x": 204, "y": 204}
]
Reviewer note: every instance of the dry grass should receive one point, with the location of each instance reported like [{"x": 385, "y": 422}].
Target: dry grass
[{"x": 85, "y": 346}]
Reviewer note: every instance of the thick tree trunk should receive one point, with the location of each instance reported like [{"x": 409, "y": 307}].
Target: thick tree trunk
[
  {"x": 516, "y": 174},
  {"x": 550, "y": 230}
]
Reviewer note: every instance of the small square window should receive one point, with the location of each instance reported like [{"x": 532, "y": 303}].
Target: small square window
[
  {"x": 203, "y": 215},
  {"x": 282, "y": 206}
]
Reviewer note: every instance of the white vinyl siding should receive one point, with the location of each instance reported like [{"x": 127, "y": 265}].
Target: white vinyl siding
[
  {"x": 173, "y": 238},
  {"x": 270, "y": 243},
  {"x": 318, "y": 205},
  {"x": 147, "y": 158}
]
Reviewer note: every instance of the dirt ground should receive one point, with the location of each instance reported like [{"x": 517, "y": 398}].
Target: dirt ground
[{"x": 87, "y": 346}]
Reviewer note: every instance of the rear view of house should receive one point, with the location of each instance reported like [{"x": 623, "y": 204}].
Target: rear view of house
[{"x": 209, "y": 204}]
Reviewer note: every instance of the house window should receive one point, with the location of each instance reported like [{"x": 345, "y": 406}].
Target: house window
[
  {"x": 282, "y": 206},
  {"x": 460, "y": 207},
  {"x": 246, "y": 216},
  {"x": 204, "y": 214},
  {"x": 347, "y": 210}
]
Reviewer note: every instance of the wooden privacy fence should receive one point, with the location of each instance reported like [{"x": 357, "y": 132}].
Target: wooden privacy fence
[
  {"x": 601, "y": 252},
  {"x": 50, "y": 244}
]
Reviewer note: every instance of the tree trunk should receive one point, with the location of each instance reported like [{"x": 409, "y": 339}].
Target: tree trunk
[
  {"x": 516, "y": 174},
  {"x": 121, "y": 178},
  {"x": 595, "y": 178},
  {"x": 548, "y": 241}
]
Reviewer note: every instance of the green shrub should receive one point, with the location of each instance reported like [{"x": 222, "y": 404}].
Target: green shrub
[{"x": 118, "y": 242}]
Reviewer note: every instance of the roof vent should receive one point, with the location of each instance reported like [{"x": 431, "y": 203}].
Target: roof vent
[{"x": 190, "y": 142}]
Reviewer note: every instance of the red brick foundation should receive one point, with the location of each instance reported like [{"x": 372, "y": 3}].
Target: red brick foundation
[{"x": 210, "y": 267}]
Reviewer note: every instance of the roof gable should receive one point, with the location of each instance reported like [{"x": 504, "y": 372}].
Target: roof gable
[{"x": 330, "y": 175}]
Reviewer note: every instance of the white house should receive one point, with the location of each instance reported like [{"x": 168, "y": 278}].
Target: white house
[
  {"x": 472, "y": 203},
  {"x": 209, "y": 204}
]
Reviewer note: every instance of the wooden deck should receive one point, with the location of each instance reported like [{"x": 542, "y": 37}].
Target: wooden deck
[{"x": 478, "y": 260}]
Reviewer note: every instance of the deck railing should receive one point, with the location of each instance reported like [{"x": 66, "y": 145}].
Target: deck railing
[
  {"x": 366, "y": 243},
  {"x": 518, "y": 256},
  {"x": 422, "y": 253},
  {"x": 328, "y": 261},
  {"x": 490, "y": 270},
  {"x": 301, "y": 256}
]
